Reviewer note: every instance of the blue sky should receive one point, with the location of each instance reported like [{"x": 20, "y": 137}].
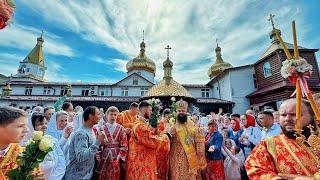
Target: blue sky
[{"x": 91, "y": 40}]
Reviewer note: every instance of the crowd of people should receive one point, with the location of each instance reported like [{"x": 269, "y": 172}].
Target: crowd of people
[{"x": 93, "y": 144}]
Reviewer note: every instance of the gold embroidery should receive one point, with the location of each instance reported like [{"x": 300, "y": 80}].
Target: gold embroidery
[
  {"x": 271, "y": 147},
  {"x": 294, "y": 156}
]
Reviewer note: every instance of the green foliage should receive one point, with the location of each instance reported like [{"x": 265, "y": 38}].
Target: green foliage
[
  {"x": 153, "y": 121},
  {"x": 28, "y": 161}
]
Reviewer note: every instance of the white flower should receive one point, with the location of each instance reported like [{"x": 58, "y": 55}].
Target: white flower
[
  {"x": 46, "y": 143},
  {"x": 30, "y": 141},
  {"x": 37, "y": 135},
  {"x": 291, "y": 66},
  {"x": 173, "y": 99},
  {"x": 158, "y": 101}
]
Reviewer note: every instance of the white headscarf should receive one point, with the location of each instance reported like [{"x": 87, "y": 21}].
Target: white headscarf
[
  {"x": 54, "y": 164},
  {"x": 78, "y": 109},
  {"x": 52, "y": 125},
  {"x": 38, "y": 109}
]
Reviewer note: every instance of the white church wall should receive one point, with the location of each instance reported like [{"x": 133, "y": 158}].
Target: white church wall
[
  {"x": 33, "y": 69},
  {"x": 196, "y": 91},
  {"x": 242, "y": 84},
  {"x": 105, "y": 89},
  {"x": 129, "y": 81},
  {"x": 222, "y": 84},
  {"x": 18, "y": 89},
  {"x": 132, "y": 91},
  {"x": 148, "y": 75}
]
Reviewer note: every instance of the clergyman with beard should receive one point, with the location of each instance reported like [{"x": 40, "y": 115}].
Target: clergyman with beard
[
  {"x": 282, "y": 157},
  {"x": 187, "y": 151},
  {"x": 143, "y": 145}
]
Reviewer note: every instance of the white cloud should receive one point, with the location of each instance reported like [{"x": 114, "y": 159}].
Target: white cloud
[
  {"x": 9, "y": 63},
  {"x": 25, "y": 37},
  {"x": 119, "y": 64},
  {"x": 55, "y": 73},
  {"x": 189, "y": 27}
]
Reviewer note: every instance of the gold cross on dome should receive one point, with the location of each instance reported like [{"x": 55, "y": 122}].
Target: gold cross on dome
[{"x": 168, "y": 48}]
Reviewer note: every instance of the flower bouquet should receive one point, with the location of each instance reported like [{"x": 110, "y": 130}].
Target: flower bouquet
[
  {"x": 295, "y": 68},
  {"x": 28, "y": 161},
  {"x": 156, "y": 106},
  {"x": 173, "y": 108}
]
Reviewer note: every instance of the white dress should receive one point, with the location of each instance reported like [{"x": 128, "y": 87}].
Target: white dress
[{"x": 54, "y": 165}]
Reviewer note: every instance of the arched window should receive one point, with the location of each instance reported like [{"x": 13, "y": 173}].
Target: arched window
[{"x": 267, "y": 69}]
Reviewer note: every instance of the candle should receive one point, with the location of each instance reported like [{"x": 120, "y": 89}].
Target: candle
[
  {"x": 313, "y": 106},
  {"x": 284, "y": 46},
  {"x": 298, "y": 105},
  {"x": 295, "y": 44}
]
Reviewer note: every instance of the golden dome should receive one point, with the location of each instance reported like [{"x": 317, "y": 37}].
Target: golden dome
[
  {"x": 141, "y": 61},
  {"x": 172, "y": 88},
  {"x": 219, "y": 66}
]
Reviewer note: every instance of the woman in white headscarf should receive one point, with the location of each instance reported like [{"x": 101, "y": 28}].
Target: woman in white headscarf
[
  {"x": 54, "y": 165},
  {"x": 59, "y": 128}
]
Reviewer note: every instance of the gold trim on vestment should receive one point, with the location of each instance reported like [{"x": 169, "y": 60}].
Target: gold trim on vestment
[{"x": 294, "y": 156}]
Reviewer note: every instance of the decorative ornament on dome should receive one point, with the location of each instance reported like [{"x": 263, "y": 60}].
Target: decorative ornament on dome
[
  {"x": 167, "y": 67},
  {"x": 273, "y": 33},
  {"x": 142, "y": 62},
  {"x": 219, "y": 66},
  {"x": 168, "y": 62},
  {"x": 168, "y": 87}
]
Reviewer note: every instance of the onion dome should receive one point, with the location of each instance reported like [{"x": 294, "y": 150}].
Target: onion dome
[
  {"x": 167, "y": 87},
  {"x": 164, "y": 89},
  {"x": 219, "y": 66},
  {"x": 142, "y": 62}
]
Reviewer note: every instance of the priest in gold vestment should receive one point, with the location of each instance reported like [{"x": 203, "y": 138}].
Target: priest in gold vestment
[
  {"x": 283, "y": 156},
  {"x": 187, "y": 151}
]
